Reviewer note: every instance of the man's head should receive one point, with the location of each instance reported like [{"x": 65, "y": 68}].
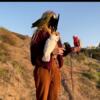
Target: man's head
[{"x": 49, "y": 19}]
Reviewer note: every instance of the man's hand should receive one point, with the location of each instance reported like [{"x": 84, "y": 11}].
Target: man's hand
[
  {"x": 76, "y": 49},
  {"x": 58, "y": 51}
]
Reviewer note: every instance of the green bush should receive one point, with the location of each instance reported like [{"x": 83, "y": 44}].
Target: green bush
[{"x": 94, "y": 53}]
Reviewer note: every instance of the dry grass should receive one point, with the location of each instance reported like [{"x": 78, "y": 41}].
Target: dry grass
[
  {"x": 4, "y": 75},
  {"x": 89, "y": 75},
  {"x": 4, "y": 55},
  {"x": 7, "y": 39},
  {"x": 21, "y": 70}
]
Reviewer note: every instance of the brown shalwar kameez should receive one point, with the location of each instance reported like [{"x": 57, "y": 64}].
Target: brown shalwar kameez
[{"x": 46, "y": 74}]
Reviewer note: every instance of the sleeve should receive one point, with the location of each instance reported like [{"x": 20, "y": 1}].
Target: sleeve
[
  {"x": 36, "y": 44},
  {"x": 60, "y": 57},
  {"x": 67, "y": 50},
  {"x": 33, "y": 47}
]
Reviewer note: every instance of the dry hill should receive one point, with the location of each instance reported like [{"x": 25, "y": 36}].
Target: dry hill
[{"x": 16, "y": 72}]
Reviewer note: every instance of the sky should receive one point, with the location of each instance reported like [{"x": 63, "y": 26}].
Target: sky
[{"x": 81, "y": 18}]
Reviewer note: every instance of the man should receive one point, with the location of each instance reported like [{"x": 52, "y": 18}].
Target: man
[{"x": 47, "y": 74}]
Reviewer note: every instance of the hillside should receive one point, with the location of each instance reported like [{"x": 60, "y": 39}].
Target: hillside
[
  {"x": 16, "y": 71},
  {"x": 16, "y": 80},
  {"x": 93, "y": 53}
]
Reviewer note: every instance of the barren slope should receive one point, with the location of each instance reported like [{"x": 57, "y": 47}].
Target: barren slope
[{"x": 16, "y": 72}]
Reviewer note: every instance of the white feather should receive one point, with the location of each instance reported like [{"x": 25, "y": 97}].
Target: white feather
[{"x": 49, "y": 47}]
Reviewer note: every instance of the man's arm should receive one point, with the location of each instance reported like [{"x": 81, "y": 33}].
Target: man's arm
[{"x": 37, "y": 42}]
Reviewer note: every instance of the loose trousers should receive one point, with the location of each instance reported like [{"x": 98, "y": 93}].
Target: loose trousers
[{"x": 47, "y": 82}]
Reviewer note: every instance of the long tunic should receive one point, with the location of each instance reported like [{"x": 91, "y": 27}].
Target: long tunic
[{"x": 37, "y": 45}]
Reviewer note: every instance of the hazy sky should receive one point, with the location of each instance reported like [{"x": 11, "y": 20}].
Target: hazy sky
[{"x": 81, "y": 18}]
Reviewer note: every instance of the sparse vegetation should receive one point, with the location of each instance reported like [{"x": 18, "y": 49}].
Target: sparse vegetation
[
  {"x": 93, "y": 65},
  {"x": 4, "y": 75},
  {"x": 6, "y": 38},
  {"x": 15, "y": 75},
  {"x": 88, "y": 75},
  {"x": 20, "y": 36},
  {"x": 17, "y": 72},
  {"x": 80, "y": 57},
  {"x": 93, "y": 53},
  {"x": 67, "y": 61},
  {"x": 19, "y": 68},
  {"x": 4, "y": 55},
  {"x": 98, "y": 84},
  {"x": 98, "y": 81}
]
